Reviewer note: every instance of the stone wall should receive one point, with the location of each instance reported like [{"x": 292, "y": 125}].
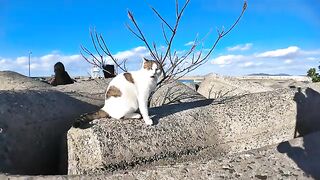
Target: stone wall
[
  {"x": 34, "y": 120},
  {"x": 215, "y": 86},
  {"x": 222, "y": 126}
]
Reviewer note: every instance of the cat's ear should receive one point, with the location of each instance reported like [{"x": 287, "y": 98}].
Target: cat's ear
[{"x": 145, "y": 59}]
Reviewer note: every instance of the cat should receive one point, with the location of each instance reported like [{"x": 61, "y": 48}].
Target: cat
[{"x": 126, "y": 93}]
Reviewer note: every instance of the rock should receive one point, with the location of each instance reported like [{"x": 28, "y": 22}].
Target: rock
[
  {"x": 204, "y": 127},
  {"x": 277, "y": 82},
  {"x": 10, "y": 80},
  {"x": 173, "y": 93},
  {"x": 34, "y": 120},
  {"x": 295, "y": 159},
  {"x": 215, "y": 86},
  {"x": 91, "y": 91}
]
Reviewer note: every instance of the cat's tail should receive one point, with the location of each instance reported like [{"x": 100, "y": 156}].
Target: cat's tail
[{"x": 84, "y": 119}]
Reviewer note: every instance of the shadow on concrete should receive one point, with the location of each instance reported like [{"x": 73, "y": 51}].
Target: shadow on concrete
[
  {"x": 33, "y": 128},
  {"x": 166, "y": 110},
  {"x": 307, "y": 157},
  {"x": 308, "y": 112}
]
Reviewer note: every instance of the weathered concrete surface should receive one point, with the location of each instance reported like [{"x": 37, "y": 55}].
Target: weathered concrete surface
[
  {"x": 230, "y": 126},
  {"x": 295, "y": 159},
  {"x": 33, "y": 125},
  {"x": 10, "y": 80},
  {"x": 88, "y": 90},
  {"x": 173, "y": 93},
  {"x": 34, "y": 120},
  {"x": 278, "y": 83},
  {"x": 216, "y": 86}
]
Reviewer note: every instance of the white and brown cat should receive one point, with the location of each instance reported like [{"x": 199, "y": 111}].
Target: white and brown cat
[{"x": 126, "y": 93}]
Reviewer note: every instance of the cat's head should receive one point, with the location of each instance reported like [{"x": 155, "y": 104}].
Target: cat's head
[{"x": 151, "y": 67}]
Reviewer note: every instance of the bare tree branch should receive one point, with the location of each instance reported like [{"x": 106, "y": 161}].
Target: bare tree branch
[
  {"x": 174, "y": 64},
  {"x": 131, "y": 17},
  {"x": 101, "y": 50}
]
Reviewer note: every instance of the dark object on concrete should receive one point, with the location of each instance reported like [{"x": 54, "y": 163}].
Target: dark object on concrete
[
  {"x": 61, "y": 77},
  {"x": 108, "y": 71}
]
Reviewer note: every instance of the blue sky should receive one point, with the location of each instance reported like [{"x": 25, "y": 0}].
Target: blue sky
[{"x": 274, "y": 36}]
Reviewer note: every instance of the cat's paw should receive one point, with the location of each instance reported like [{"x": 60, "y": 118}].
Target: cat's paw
[
  {"x": 148, "y": 121},
  {"x": 133, "y": 116}
]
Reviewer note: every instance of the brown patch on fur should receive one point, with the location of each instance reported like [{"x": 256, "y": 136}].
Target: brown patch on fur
[
  {"x": 88, "y": 117},
  {"x": 129, "y": 77},
  {"x": 148, "y": 65},
  {"x": 113, "y": 92},
  {"x": 97, "y": 115}
]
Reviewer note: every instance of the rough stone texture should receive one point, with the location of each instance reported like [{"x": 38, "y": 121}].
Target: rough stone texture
[
  {"x": 295, "y": 159},
  {"x": 87, "y": 90},
  {"x": 216, "y": 86},
  {"x": 173, "y": 93},
  {"x": 34, "y": 120},
  {"x": 277, "y": 83},
  {"x": 194, "y": 128},
  {"x": 276, "y": 78},
  {"x": 10, "y": 80}
]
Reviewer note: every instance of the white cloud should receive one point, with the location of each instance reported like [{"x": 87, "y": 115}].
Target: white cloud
[
  {"x": 74, "y": 63},
  {"x": 291, "y": 60},
  {"x": 279, "y": 53},
  {"x": 22, "y": 60},
  {"x": 240, "y": 47},
  {"x": 311, "y": 58},
  {"x": 43, "y": 65},
  {"x": 227, "y": 59},
  {"x": 190, "y": 43},
  {"x": 288, "y": 61},
  {"x": 133, "y": 54},
  {"x": 310, "y": 52},
  {"x": 247, "y": 64}
]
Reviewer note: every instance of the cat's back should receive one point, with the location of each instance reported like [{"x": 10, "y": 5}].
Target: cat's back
[{"x": 123, "y": 81}]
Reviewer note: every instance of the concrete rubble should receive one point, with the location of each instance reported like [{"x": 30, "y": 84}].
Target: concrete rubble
[
  {"x": 34, "y": 120},
  {"x": 220, "y": 127},
  {"x": 216, "y": 86},
  {"x": 245, "y": 135},
  {"x": 298, "y": 158}
]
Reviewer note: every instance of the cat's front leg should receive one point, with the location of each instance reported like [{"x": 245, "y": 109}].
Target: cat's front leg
[{"x": 143, "y": 107}]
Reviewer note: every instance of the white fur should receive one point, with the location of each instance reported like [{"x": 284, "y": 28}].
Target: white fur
[{"x": 134, "y": 95}]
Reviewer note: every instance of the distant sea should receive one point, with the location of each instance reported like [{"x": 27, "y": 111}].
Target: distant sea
[{"x": 186, "y": 81}]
